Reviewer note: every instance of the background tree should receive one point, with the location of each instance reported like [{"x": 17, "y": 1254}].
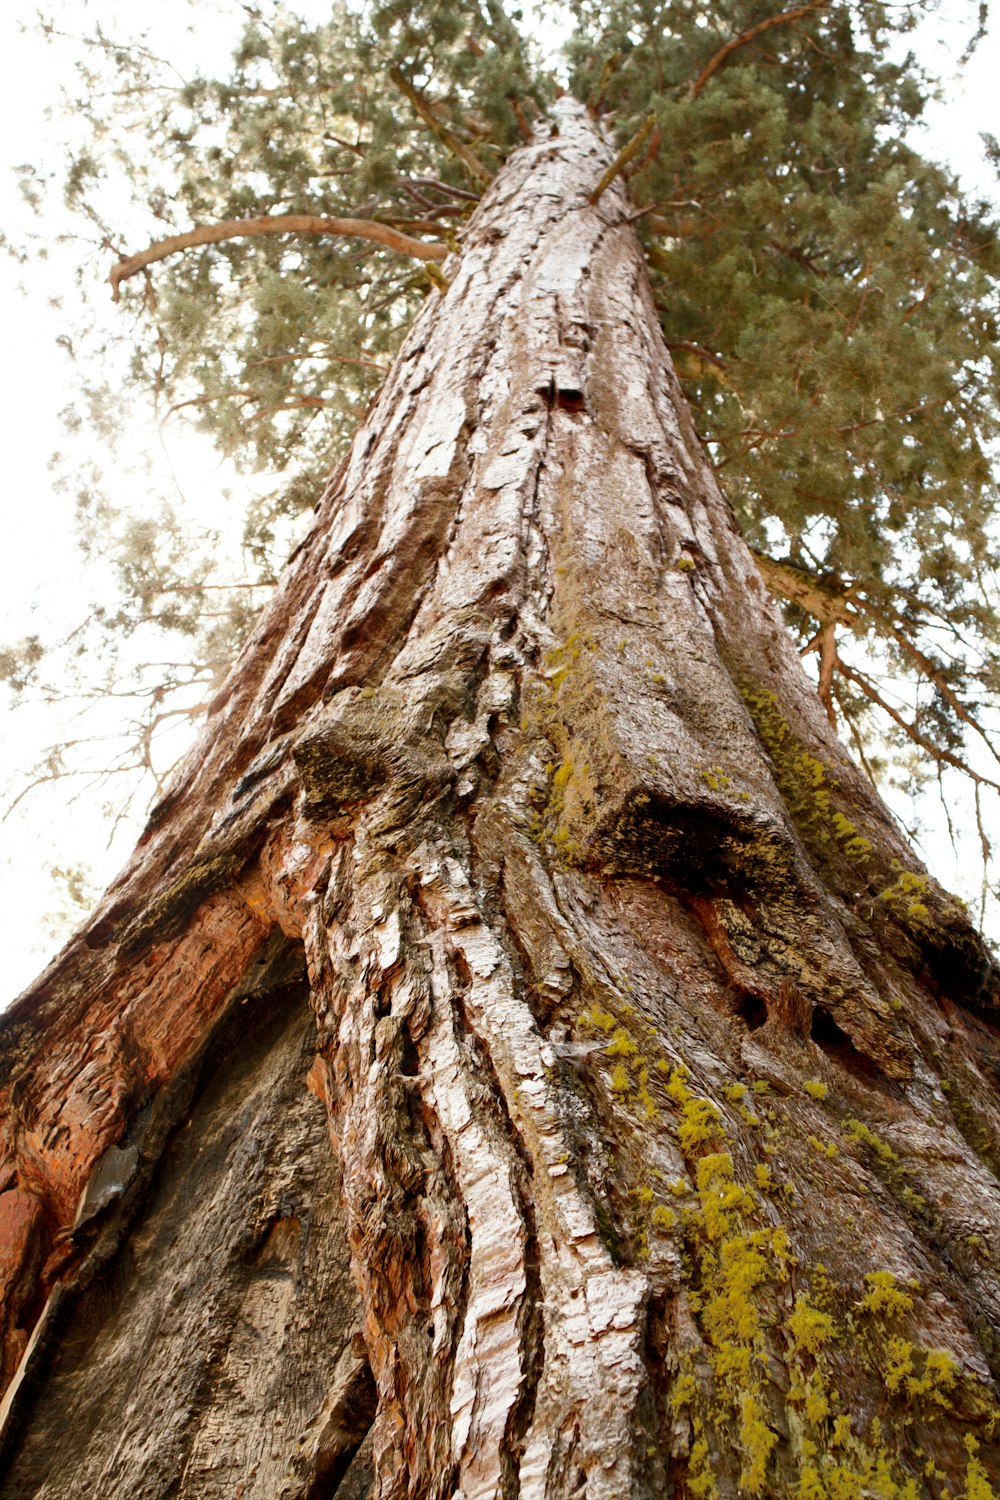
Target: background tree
[{"x": 660, "y": 1076}]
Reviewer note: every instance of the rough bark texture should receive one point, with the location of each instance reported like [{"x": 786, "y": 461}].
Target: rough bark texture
[{"x": 660, "y": 1078}]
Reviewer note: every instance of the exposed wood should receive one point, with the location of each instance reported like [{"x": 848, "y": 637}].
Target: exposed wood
[
  {"x": 241, "y": 229},
  {"x": 660, "y": 1077}
]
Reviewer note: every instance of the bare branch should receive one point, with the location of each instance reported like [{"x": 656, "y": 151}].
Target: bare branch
[
  {"x": 798, "y": 587},
  {"x": 238, "y": 229},
  {"x": 827, "y": 666},
  {"x": 468, "y": 157},
  {"x": 910, "y": 730},
  {"x": 625, "y": 155},
  {"x": 441, "y": 187},
  {"x": 786, "y": 18},
  {"x": 697, "y": 351}
]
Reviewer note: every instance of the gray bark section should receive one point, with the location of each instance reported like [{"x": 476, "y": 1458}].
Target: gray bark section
[
  {"x": 219, "y": 1352},
  {"x": 644, "y": 1039}
]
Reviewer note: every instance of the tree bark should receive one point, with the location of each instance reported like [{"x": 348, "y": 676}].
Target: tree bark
[{"x": 660, "y": 1077}]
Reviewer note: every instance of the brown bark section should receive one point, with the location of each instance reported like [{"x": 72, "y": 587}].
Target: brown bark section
[{"x": 660, "y": 1076}]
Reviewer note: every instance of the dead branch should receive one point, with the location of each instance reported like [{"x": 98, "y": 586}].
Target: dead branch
[
  {"x": 911, "y": 731},
  {"x": 623, "y": 158},
  {"x": 441, "y": 187},
  {"x": 468, "y": 157},
  {"x": 524, "y": 129},
  {"x": 596, "y": 97},
  {"x": 238, "y": 229},
  {"x": 827, "y": 666},
  {"x": 786, "y": 18}
]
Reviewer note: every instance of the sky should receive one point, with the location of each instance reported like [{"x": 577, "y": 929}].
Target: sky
[{"x": 45, "y": 585}]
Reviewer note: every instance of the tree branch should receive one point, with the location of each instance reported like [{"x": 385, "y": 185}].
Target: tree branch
[
  {"x": 750, "y": 35},
  {"x": 696, "y": 349},
  {"x": 468, "y": 157},
  {"x": 625, "y": 155},
  {"x": 911, "y": 731},
  {"x": 238, "y": 229},
  {"x": 798, "y": 587}
]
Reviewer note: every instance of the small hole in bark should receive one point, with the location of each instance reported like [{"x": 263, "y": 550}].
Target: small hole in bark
[
  {"x": 569, "y": 400},
  {"x": 835, "y": 1042},
  {"x": 409, "y": 1061},
  {"x": 566, "y": 398},
  {"x": 752, "y": 1010},
  {"x": 825, "y": 1031}
]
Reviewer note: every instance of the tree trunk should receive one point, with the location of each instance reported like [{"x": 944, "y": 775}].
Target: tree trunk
[{"x": 660, "y": 1078}]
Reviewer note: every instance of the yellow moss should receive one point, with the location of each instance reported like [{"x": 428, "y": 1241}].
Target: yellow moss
[
  {"x": 734, "y": 1092},
  {"x": 684, "y": 1391},
  {"x": 899, "y": 1364},
  {"x": 809, "y": 1327},
  {"x": 621, "y": 1044},
  {"x": 937, "y": 1383},
  {"x": 841, "y": 1432},
  {"x": 857, "y": 1130},
  {"x": 664, "y": 1218},
  {"x": 758, "y": 1442},
  {"x": 810, "y": 1485},
  {"x": 699, "y": 1116},
  {"x": 815, "y": 1089},
  {"x": 620, "y": 1082},
  {"x": 825, "y": 1148},
  {"x": 762, "y": 1173},
  {"x": 603, "y": 1020},
  {"x": 715, "y": 778},
  {"x": 719, "y": 1194},
  {"x": 816, "y": 1407},
  {"x": 701, "y": 1482},
  {"x": 883, "y": 1297},
  {"x": 804, "y": 781},
  {"x": 906, "y": 896},
  {"x": 781, "y": 1250},
  {"x": 977, "y": 1483}
]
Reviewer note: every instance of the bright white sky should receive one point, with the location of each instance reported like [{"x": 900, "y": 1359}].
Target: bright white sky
[{"x": 45, "y": 586}]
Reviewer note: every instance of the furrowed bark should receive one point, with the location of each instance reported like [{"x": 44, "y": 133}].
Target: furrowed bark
[{"x": 659, "y": 1076}]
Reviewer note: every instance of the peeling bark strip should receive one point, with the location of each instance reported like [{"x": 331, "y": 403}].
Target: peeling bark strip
[{"x": 660, "y": 1078}]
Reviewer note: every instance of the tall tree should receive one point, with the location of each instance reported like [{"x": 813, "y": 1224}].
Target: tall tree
[{"x": 660, "y": 1077}]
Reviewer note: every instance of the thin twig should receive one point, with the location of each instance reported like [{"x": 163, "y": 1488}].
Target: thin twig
[{"x": 910, "y": 730}]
